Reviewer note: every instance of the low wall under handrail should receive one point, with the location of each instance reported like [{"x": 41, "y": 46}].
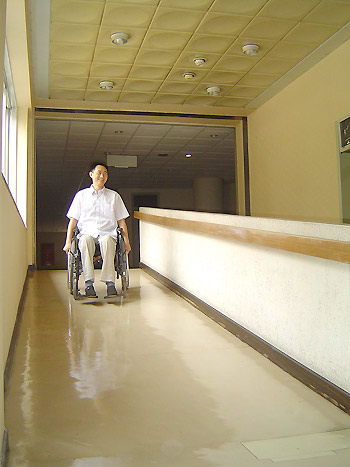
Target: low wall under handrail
[{"x": 334, "y": 250}]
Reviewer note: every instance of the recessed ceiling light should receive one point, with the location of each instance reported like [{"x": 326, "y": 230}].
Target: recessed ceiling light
[
  {"x": 188, "y": 75},
  {"x": 188, "y": 155},
  {"x": 250, "y": 49},
  {"x": 106, "y": 85},
  {"x": 213, "y": 90},
  {"x": 214, "y": 136},
  {"x": 199, "y": 61},
  {"x": 119, "y": 132},
  {"x": 119, "y": 38},
  {"x": 163, "y": 154}
]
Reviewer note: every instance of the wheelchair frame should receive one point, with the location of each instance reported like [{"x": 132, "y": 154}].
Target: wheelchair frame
[{"x": 75, "y": 267}]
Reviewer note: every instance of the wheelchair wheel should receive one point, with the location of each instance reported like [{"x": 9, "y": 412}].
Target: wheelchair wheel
[
  {"x": 122, "y": 264},
  {"x": 74, "y": 269},
  {"x": 125, "y": 276}
]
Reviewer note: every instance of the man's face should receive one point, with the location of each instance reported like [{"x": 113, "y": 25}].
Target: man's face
[{"x": 99, "y": 176}]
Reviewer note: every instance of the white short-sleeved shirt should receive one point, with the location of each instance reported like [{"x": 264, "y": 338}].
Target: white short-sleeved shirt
[{"x": 97, "y": 212}]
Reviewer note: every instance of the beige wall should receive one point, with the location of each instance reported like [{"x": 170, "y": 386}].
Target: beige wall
[
  {"x": 14, "y": 238},
  {"x": 2, "y": 230},
  {"x": 294, "y": 163}
]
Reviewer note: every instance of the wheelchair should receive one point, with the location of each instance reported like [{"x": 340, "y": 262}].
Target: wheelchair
[{"x": 75, "y": 267}]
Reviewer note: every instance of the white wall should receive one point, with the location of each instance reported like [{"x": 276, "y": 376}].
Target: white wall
[{"x": 297, "y": 303}]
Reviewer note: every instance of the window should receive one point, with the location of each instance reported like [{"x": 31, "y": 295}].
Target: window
[{"x": 9, "y": 130}]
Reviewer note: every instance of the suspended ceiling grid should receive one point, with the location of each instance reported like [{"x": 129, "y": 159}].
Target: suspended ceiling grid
[{"x": 165, "y": 36}]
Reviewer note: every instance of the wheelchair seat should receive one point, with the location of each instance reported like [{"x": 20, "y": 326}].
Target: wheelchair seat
[{"x": 75, "y": 267}]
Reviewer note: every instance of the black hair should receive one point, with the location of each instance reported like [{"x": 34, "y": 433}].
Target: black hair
[{"x": 94, "y": 164}]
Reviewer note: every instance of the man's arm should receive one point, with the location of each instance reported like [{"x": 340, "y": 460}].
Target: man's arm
[
  {"x": 122, "y": 224},
  {"x": 71, "y": 226}
]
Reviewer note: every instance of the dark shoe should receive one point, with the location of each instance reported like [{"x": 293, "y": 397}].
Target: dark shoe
[
  {"x": 90, "y": 292},
  {"x": 111, "y": 291}
]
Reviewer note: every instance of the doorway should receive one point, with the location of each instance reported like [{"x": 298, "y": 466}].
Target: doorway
[{"x": 149, "y": 200}]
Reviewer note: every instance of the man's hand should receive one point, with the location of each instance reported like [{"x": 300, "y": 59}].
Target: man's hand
[
  {"x": 127, "y": 247},
  {"x": 67, "y": 247}
]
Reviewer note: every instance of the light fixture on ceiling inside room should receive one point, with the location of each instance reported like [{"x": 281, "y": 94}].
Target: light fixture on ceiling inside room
[
  {"x": 250, "y": 49},
  {"x": 188, "y": 155},
  {"x": 119, "y": 38},
  {"x": 199, "y": 61},
  {"x": 188, "y": 75},
  {"x": 106, "y": 85},
  {"x": 213, "y": 90}
]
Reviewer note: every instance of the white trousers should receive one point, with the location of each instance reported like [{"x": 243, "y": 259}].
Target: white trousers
[{"x": 87, "y": 247}]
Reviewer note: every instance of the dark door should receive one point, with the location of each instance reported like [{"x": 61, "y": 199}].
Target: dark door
[{"x": 146, "y": 200}]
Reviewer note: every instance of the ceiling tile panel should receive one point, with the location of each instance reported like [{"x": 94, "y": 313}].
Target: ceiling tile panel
[
  {"x": 170, "y": 87},
  {"x": 291, "y": 50},
  {"x": 236, "y": 63},
  {"x": 216, "y": 23},
  {"x": 288, "y": 9},
  {"x": 238, "y": 7},
  {"x": 84, "y": 127},
  {"x": 124, "y": 15},
  {"x": 258, "y": 80},
  {"x": 115, "y": 55},
  {"x": 310, "y": 33},
  {"x": 52, "y": 126},
  {"x": 177, "y": 20},
  {"x": 69, "y": 94},
  {"x": 83, "y": 53},
  {"x": 188, "y": 4},
  {"x": 166, "y": 40},
  {"x": 245, "y": 91},
  {"x": 222, "y": 77},
  {"x": 330, "y": 12},
  {"x": 201, "y": 100},
  {"x": 102, "y": 96},
  {"x": 76, "y": 12},
  {"x": 69, "y": 82},
  {"x": 270, "y": 65},
  {"x": 204, "y": 44},
  {"x": 73, "y": 34},
  {"x": 169, "y": 99},
  {"x": 144, "y": 98},
  {"x": 60, "y": 67},
  {"x": 265, "y": 28},
  {"x": 234, "y": 102},
  {"x": 137, "y": 2},
  {"x": 142, "y": 85},
  {"x": 110, "y": 71},
  {"x": 156, "y": 57},
  {"x": 148, "y": 72}
]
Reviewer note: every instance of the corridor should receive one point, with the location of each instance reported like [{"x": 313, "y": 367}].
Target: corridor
[{"x": 151, "y": 381}]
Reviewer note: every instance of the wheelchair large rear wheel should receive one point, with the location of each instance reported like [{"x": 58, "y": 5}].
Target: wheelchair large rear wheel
[
  {"x": 73, "y": 269},
  {"x": 125, "y": 276}
]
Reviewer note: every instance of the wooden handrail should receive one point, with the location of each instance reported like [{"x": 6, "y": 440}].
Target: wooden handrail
[{"x": 318, "y": 247}]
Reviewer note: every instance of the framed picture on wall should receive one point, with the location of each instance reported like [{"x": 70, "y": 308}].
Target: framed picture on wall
[{"x": 344, "y": 135}]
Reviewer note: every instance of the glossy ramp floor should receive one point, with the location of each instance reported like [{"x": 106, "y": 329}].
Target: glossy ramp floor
[{"x": 151, "y": 381}]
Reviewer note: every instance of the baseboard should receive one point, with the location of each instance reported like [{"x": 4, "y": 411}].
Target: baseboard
[
  {"x": 10, "y": 354},
  {"x": 5, "y": 448},
  {"x": 314, "y": 381}
]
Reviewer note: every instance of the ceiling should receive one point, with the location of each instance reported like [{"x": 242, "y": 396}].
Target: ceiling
[
  {"x": 165, "y": 37},
  {"x": 72, "y": 52}
]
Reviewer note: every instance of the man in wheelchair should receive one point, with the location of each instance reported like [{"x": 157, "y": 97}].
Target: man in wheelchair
[{"x": 97, "y": 212}]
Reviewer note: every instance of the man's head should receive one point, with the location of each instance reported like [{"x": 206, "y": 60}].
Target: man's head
[{"x": 98, "y": 174}]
